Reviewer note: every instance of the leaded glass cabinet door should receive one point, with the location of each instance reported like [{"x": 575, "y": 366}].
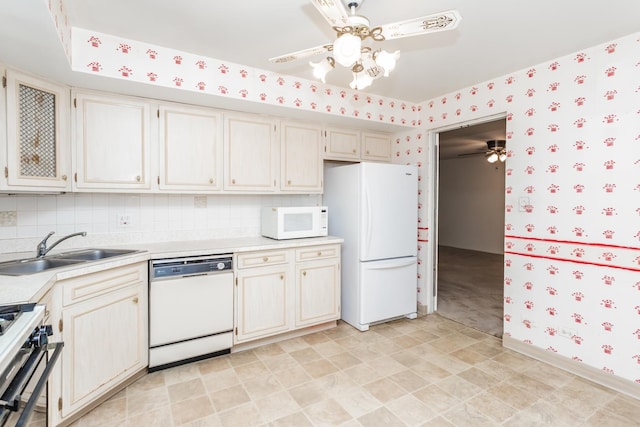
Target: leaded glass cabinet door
[{"x": 37, "y": 134}]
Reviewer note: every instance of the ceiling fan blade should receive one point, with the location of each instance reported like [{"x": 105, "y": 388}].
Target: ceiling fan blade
[
  {"x": 479, "y": 153},
  {"x": 300, "y": 54},
  {"x": 442, "y": 21},
  {"x": 333, "y": 11}
]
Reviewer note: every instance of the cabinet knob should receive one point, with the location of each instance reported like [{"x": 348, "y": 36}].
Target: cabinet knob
[
  {"x": 233, "y": 181},
  {"x": 64, "y": 177},
  {"x": 319, "y": 253},
  {"x": 211, "y": 181},
  {"x": 135, "y": 300},
  {"x": 282, "y": 277},
  {"x": 289, "y": 182},
  {"x": 367, "y": 152},
  {"x": 265, "y": 259},
  {"x": 138, "y": 178},
  {"x": 353, "y": 151},
  {"x": 304, "y": 273}
]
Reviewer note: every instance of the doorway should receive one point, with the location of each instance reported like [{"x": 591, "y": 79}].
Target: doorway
[{"x": 470, "y": 194}]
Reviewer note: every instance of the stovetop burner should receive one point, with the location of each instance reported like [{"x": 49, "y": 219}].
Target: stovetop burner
[{"x": 10, "y": 313}]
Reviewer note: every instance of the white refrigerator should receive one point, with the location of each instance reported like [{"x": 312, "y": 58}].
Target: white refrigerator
[{"x": 374, "y": 208}]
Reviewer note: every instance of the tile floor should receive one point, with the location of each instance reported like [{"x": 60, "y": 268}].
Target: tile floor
[{"x": 425, "y": 372}]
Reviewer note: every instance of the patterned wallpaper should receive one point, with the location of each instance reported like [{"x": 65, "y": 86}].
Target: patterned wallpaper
[{"x": 572, "y": 211}]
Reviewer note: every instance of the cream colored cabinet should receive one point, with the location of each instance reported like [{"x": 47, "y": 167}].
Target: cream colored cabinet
[
  {"x": 111, "y": 142},
  {"x": 250, "y": 153},
  {"x": 317, "y": 288},
  {"x": 301, "y": 157},
  {"x": 190, "y": 149},
  {"x": 342, "y": 144},
  {"x": 376, "y": 146},
  {"x": 103, "y": 323},
  {"x": 263, "y": 294},
  {"x": 37, "y": 144}
]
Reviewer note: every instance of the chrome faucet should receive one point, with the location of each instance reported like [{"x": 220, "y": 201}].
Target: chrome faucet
[{"x": 42, "y": 249}]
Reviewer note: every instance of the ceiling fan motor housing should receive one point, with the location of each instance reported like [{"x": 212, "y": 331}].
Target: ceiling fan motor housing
[{"x": 496, "y": 144}]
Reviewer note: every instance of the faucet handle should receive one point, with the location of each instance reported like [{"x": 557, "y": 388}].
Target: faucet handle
[{"x": 51, "y": 233}]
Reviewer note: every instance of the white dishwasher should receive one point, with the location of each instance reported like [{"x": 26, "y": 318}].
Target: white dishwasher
[{"x": 190, "y": 309}]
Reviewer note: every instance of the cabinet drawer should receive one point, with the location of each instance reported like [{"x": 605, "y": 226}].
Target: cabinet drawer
[
  {"x": 94, "y": 284},
  {"x": 261, "y": 259},
  {"x": 317, "y": 252}
]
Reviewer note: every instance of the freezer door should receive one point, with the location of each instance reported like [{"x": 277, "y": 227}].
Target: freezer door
[
  {"x": 388, "y": 289},
  {"x": 389, "y": 211}
]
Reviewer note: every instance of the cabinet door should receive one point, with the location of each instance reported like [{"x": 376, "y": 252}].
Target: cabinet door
[
  {"x": 105, "y": 342},
  {"x": 38, "y": 149},
  {"x": 191, "y": 149},
  {"x": 376, "y": 146},
  {"x": 317, "y": 292},
  {"x": 301, "y": 158},
  {"x": 262, "y": 302},
  {"x": 251, "y": 153},
  {"x": 342, "y": 144},
  {"x": 111, "y": 142}
]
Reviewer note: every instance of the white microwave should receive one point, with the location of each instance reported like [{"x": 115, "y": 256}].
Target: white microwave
[{"x": 294, "y": 222}]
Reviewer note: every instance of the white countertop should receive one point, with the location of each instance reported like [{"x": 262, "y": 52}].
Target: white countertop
[{"x": 32, "y": 287}]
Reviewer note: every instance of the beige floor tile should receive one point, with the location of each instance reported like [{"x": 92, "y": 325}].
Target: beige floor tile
[
  {"x": 604, "y": 417},
  {"x": 532, "y": 385},
  {"x": 319, "y": 368},
  {"x": 154, "y": 399},
  {"x": 437, "y": 422},
  {"x": 262, "y": 387},
  {"x": 190, "y": 410},
  {"x": 358, "y": 402},
  {"x": 430, "y": 372},
  {"x": 543, "y": 413},
  {"x": 268, "y": 350},
  {"x": 344, "y": 360},
  {"x": 305, "y": 355},
  {"x": 624, "y": 406},
  {"x": 293, "y": 377},
  {"x": 437, "y": 399},
  {"x": 280, "y": 362},
  {"x": 409, "y": 380},
  {"x": 337, "y": 384},
  {"x": 150, "y": 381},
  {"x": 381, "y": 417},
  {"x": 479, "y": 378},
  {"x": 386, "y": 365},
  {"x": 385, "y": 390},
  {"x": 299, "y": 419},
  {"x": 229, "y": 398},
  {"x": 186, "y": 390},
  {"x": 329, "y": 348},
  {"x": 158, "y": 417},
  {"x": 308, "y": 394},
  {"x": 215, "y": 364},
  {"x": 220, "y": 380},
  {"x": 407, "y": 358},
  {"x": 181, "y": 373},
  {"x": 252, "y": 370},
  {"x": 513, "y": 396},
  {"x": 327, "y": 413},
  {"x": 111, "y": 412},
  {"x": 405, "y": 341},
  {"x": 411, "y": 410},
  {"x": 276, "y": 405},
  {"x": 210, "y": 421},
  {"x": 459, "y": 387},
  {"x": 293, "y": 344},
  {"x": 362, "y": 373},
  {"x": 246, "y": 415},
  {"x": 469, "y": 356},
  {"x": 243, "y": 357},
  {"x": 466, "y": 415},
  {"x": 491, "y": 407}
]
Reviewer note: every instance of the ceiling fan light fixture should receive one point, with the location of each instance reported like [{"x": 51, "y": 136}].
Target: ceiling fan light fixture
[
  {"x": 347, "y": 49},
  {"x": 502, "y": 156},
  {"x": 322, "y": 68},
  {"x": 361, "y": 79},
  {"x": 386, "y": 60},
  {"x": 492, "y": 157}
]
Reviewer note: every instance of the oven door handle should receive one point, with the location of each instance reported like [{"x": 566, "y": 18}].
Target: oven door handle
[{"x": 42, "y": 381}]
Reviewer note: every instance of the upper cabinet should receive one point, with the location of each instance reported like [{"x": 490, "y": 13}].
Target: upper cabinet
[
  {"x": 37, "y": 148},
  {"x": 376, "y": 146},
  {"x": 342, "y": 144},
  {"x": 301, "y": 157},
  {"x": 190, "y": 149},
  {"x": 111, "y": 142},
  {"x": 251, "y": 153}
]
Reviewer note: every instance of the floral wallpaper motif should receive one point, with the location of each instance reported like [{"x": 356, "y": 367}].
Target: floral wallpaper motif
[
  {"x": 572, "y": 209},
  {"x": 60, "y": 19},
  {"x": 115, "y": 57}
]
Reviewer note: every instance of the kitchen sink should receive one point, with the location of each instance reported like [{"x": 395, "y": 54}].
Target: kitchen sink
[
  {"x": 94, "y": 254},
  {"x": 36, "y": 265},
  {"x": 33, "y": 265}
]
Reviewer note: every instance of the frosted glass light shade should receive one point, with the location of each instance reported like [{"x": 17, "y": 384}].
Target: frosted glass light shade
[
  {"x": 322, "y": 68},
  {"x": 492, "y": 158},
  {"x": 360, "y": 80},
  {"x": 346, "y": 49},
  {"x": 387, "y": 60}
]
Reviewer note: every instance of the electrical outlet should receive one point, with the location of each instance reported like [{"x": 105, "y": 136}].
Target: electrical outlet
[
  {"x": 523, "y": 202},
  {"x": 566, "y": 332},
  {"x": 124, "y": 220}
]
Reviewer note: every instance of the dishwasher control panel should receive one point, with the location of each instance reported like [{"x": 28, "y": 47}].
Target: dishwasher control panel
[{"x": 176, "y": 267}]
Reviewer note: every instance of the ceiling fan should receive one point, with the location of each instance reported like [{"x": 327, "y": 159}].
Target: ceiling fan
[
  {"x": 496, "y": 150},
  {"x": 348, "y": 50}
]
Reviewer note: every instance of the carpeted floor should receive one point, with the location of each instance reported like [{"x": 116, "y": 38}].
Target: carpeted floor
[{"x": 470, "y": 288}]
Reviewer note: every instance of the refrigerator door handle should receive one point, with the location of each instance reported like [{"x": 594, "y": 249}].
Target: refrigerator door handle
[
  {"x": 392, "y": 263},
  {"x": 368, "y": 223}
]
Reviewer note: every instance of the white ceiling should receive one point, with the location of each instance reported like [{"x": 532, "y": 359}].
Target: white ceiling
[{"x": 495, "y": 37}]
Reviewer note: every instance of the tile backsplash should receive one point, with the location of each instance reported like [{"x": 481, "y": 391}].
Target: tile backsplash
[{"x": 133, "y": 218}]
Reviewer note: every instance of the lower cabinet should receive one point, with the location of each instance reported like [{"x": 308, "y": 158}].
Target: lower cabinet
[
  {"x": 279, "y": 291},
  {"x": 103, "y": 323}
]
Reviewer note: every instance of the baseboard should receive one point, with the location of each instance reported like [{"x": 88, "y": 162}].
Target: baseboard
[
  {"x": 423, "y": 309},
  {"x": 284, "y": 336},
  {"x": 630, "y": 388}
]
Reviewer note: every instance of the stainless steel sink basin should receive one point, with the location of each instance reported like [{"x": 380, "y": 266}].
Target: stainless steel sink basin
[
  {"x": 23, "y": 267},
  {"x": 33, "y": 265},
  {"x": 93, "y": 254}
]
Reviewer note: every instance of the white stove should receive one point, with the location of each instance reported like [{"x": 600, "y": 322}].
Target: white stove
[{"x": 17, "y": 323}]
